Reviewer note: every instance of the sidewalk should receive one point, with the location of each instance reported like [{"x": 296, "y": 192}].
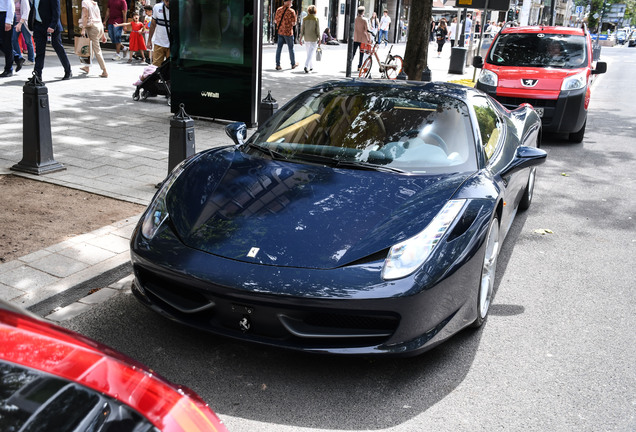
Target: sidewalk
[{"x": 116, "y": 147}]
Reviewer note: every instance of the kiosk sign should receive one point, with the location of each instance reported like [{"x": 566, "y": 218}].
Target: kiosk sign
[{"x": 215, "y": 65}]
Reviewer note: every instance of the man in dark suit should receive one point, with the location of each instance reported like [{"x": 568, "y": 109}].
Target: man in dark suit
[
  {"x": 44, "y": 19},
  {"x": 7, "y": 9}
]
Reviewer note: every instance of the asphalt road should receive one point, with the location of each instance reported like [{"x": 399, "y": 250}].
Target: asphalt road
[{"x": 557, "y": 352}]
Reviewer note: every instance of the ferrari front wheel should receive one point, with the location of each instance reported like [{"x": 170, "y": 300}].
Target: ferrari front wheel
[{"x": 488, "y": 270}]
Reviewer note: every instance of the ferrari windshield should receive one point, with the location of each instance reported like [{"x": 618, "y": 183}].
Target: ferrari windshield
[
  {"x": 384, "y": 128},
  {"x": 539, "y": 50}
]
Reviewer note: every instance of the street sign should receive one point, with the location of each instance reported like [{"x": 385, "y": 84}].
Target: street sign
[{"x": 498, "y": 5}]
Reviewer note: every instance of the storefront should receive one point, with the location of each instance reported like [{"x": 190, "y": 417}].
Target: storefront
[{"x": 331, "y": 13}]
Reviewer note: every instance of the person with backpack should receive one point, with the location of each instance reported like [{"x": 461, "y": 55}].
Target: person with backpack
[{"x": 159, "y": 36}]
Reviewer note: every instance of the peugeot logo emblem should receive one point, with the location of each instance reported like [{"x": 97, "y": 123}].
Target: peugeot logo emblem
[
  {"x": 245, "y": 324},
  {"x": 529, "y": 82}
]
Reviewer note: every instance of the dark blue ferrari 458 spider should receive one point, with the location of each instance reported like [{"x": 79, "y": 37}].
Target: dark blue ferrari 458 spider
[{"x": 362, "y": 218}]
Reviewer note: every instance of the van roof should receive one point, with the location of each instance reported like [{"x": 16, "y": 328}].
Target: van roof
[{"x": 545, "y": 29}]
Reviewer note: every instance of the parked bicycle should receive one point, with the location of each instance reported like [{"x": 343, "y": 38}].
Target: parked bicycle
[{"x": 390, "y": 68}]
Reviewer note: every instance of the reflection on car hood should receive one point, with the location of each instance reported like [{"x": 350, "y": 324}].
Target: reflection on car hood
[{"x": 289, "y": 214}]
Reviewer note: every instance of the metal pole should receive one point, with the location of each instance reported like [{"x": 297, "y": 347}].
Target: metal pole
[
  {"x": 352, "y": 17},
  {"x": 481, "y": 36}
]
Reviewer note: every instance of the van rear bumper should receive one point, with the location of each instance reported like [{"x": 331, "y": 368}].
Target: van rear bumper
[{"x": 566, "y": 114}]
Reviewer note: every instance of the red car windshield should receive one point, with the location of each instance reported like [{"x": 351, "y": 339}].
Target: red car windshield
[{"x": 539, "y": 50}]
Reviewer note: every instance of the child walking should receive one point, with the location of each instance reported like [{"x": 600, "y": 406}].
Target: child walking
[{"x": 136, "y": 42}]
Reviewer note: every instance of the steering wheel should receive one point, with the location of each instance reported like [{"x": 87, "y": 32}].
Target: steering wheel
[{"x": 439, "y": 142}]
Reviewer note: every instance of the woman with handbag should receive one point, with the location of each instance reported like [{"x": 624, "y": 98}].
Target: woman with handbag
[
  {"x": 310, "y": 34},
  {"x": 92, "y": 27}
]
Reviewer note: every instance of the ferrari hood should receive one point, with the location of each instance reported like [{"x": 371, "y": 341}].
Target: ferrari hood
[
  {"x": 280, "y": 213},
  {"x": 532, "y": 79}
]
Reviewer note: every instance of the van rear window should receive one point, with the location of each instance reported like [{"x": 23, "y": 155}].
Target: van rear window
[{"x": 539, "y": 50}]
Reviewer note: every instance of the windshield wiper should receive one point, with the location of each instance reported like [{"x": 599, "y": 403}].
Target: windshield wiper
[
  {"x": 268, "y": 151},
  {"x": 368, "y": 166}
]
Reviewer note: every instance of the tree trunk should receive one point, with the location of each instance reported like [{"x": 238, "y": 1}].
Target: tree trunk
[{"x": 416, "y": 54}]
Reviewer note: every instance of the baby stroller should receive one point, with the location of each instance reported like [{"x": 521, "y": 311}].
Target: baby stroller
[{"x": 154, "y": 81}]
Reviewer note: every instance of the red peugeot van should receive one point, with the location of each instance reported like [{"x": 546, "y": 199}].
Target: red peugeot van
[{"x": 547, "y": 67}]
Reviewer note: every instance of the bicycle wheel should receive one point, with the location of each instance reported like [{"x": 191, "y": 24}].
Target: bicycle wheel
[
  {"x": 394, "y": 67},
  {"x": 365, "y": 70}
]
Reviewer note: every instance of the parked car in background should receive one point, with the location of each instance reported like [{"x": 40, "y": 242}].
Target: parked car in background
[
  {"x": 621, "y": 37},
  {"x": 52, "y": 379},
  {"x": 364, "y": 217},
  {"x": 550, "y": 68},
  {"x": 632, "y": 39}
]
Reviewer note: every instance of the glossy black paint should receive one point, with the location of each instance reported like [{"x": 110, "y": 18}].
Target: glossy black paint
[{"x": 323, "y": 234}]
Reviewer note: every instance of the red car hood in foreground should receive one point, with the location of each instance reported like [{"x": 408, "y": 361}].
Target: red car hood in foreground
[{"x": 45, "y": 347}]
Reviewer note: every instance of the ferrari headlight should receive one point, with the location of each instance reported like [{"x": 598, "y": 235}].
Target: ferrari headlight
[
  {"x": 575, "y": 82},
  {"x": 489, "y": 78},
  {"x": 407, "y": 256},
  {"x": 157, "y": 212}
]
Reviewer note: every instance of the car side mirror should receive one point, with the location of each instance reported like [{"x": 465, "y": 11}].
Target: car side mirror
[
  {"x": 478, "y": 62},
  {"x": 601, "y": 68},
  {"x": 525, "y": 157},
  {"x": 237, "y": 131}
]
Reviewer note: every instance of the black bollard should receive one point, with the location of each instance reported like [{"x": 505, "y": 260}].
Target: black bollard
[
  {"x": 267, "y": 108},
  {"x": 37, "y": 145},
  {"x": 181, "y": 138},
  {"x": 426, "y": 75}
]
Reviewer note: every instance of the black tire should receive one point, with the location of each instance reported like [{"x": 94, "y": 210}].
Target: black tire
[
  {"x": 136, "y": 95},
  {"x": 144, "y": 94},
  {"x": 394, "y": 67},
  {"x": 365, "y": 70},
  {"x": 526, "y": 199},
  {"x": 577, "y": 137},
  {"x": 486, "y": 285}
]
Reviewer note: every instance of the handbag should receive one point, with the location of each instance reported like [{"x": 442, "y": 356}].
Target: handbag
[
  {"x": 318, "y": 54},
  {"x": 83, "y": 49}
]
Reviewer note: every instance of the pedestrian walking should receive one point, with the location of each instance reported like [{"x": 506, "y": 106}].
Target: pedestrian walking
[
  {"x": 93, "y": 28},
  {"x": 7, "y": 11},
  {"x": 374, "y": 25},
  {"x": 285, "y": 19},
  {"x": 453, "y": 31},
  {"x": 361, "y": 35},
  {"x": 45, "y": 22},
  {"x": 310, "y": 34},
  {"x": 159, "y": 35},
  {"x": 116, "y": 12},
  {"x": 385, "y": 23},
  {"x": 441, "y": 32},
  {"x": 147, "y": 22},
  {"x": 22, "y": 9}
]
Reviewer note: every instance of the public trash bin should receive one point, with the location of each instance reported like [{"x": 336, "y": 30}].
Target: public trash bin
[{"x": 457, "y": 60}]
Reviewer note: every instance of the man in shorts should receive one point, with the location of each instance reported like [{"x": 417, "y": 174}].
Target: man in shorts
[
  {"x": 116, "y": 14},
  {"x": 159, "y": 37}
]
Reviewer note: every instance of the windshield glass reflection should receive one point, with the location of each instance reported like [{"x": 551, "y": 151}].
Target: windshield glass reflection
[{"x": 366, "y": 127}]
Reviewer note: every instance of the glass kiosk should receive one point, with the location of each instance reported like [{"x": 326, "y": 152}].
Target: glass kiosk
[{"x": 216, "y": 55}]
